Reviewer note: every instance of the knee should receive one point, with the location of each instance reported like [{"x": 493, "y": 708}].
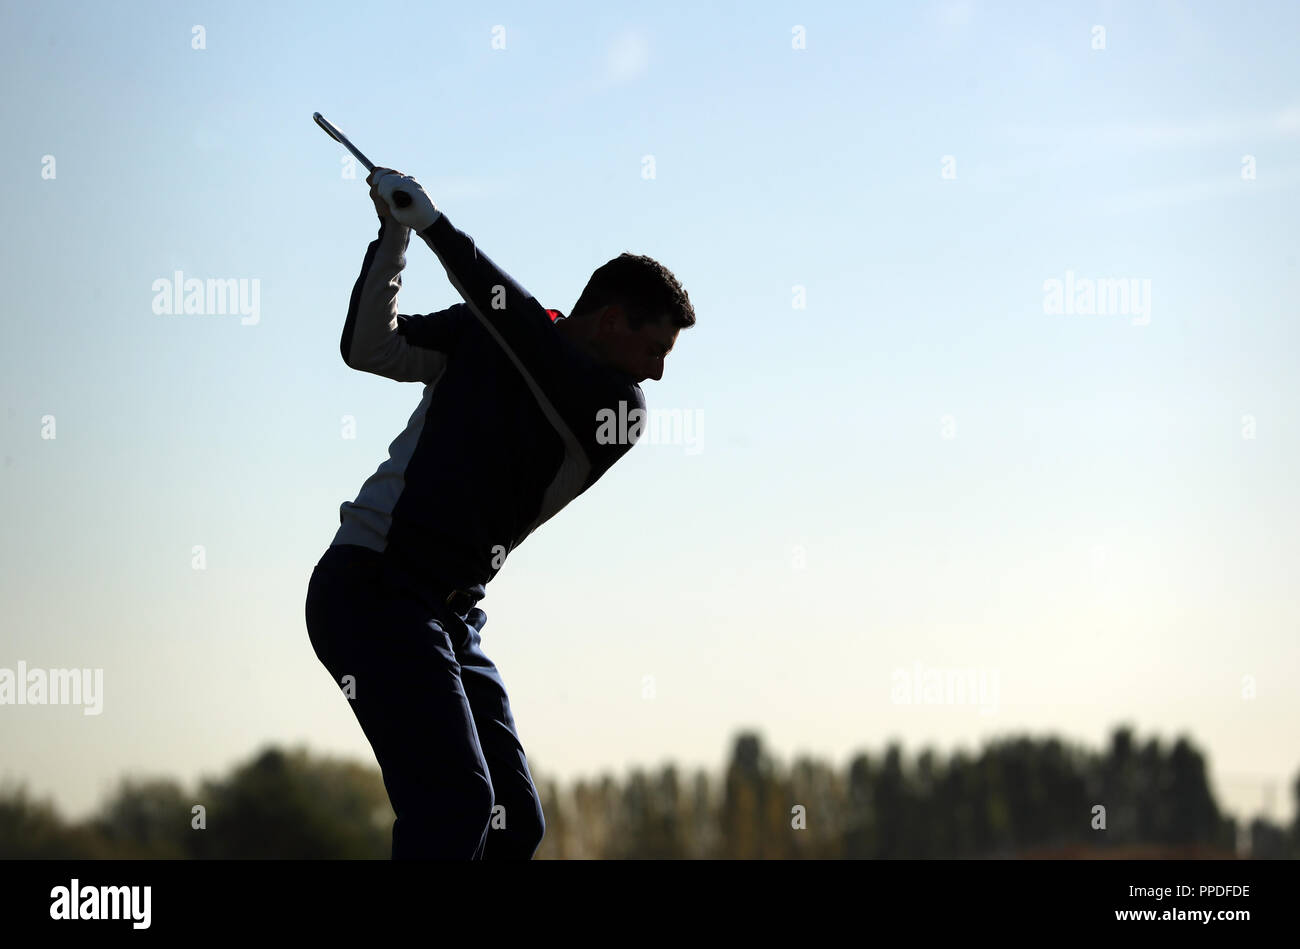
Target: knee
[
  {"x": 448, "y": 824},
  {"x": 466, "y": 801},
  {"x": 516, "y": 832},
  {"x": 473, "y": 802},
  {"x": 536, "y": 832}
]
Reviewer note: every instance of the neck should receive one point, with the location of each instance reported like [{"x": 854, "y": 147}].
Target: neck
[{"x": 573, "y": 333}]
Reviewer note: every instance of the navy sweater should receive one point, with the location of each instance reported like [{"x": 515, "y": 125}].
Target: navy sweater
[{"x": 507, "y": 430}]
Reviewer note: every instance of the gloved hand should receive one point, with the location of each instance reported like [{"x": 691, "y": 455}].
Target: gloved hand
[{"x": 418, "y": 214}]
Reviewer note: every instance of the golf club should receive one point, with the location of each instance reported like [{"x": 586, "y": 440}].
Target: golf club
[{"x": 400, "y": 198}]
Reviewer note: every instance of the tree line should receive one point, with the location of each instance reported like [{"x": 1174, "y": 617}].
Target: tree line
[{"x": 1019, "y": 797}]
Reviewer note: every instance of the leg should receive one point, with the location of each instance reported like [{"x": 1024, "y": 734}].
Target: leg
[
  {"x": 512, "y": 784},
  {"x": 411, "y": 705}
]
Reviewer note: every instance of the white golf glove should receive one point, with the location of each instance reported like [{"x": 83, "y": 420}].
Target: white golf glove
[{"x": 419, "y": 213}]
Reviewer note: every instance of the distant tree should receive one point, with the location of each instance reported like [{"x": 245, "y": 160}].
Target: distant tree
[
  {"x": 1295, "y": 817},
  {"x": 147, "y": 819},
  {"x": 747, "y": 788},
  {"x": 289, "y": 804},
  {"x": 32, "y": 830},
  {"x": 892, "y": 806},
  {"x": 1193, "y": 815},
  {"x": 860, "y": 832}
]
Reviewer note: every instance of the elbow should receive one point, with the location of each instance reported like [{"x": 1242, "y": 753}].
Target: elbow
[{"x": 348, "y": 351}]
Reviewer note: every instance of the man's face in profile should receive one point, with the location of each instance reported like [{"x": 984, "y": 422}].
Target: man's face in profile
[{"x": 639, "y": 352}]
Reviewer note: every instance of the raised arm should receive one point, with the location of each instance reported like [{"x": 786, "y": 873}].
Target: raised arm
[
  {"x": 568, "y": 387},
  {"x": 571, "y": 396},
  {"x": 378, "y": 339},
  {"x": 511, "y": 315},
  {"x": 507, "y": 311}
]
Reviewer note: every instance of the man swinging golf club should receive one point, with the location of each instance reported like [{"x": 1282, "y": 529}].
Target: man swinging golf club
[{"x": 508, "y": 431}]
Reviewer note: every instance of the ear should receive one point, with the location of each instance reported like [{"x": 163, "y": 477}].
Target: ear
[{"x": 609, "y": 316}]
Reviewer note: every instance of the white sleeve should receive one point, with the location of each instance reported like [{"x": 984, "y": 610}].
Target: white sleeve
[{"x": 371, "y": 342}]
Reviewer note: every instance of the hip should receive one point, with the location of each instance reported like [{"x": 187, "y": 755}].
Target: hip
[{"x": 376, "y": 574}]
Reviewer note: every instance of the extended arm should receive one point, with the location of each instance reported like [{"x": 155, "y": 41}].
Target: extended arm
[
  {"x": 566, "y": 387},
  {"x": 510, "y": 314}
]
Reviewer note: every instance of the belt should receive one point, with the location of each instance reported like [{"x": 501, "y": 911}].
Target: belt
[{"x": 349, "y": 557}]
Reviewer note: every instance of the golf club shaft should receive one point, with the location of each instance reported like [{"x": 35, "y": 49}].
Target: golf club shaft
[{"x": 400, "y": 198}]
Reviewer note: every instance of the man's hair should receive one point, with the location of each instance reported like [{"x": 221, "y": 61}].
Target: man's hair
[{"x": 645, "y": 288}]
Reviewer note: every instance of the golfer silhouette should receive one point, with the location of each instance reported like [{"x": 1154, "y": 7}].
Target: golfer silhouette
[{"x": 522, "y": 411}]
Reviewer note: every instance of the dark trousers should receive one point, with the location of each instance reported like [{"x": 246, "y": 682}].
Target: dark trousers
[{"x": 433, "y": 707}]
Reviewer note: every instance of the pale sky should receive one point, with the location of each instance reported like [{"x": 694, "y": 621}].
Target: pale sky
[{"x": 906, "y": 459}]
